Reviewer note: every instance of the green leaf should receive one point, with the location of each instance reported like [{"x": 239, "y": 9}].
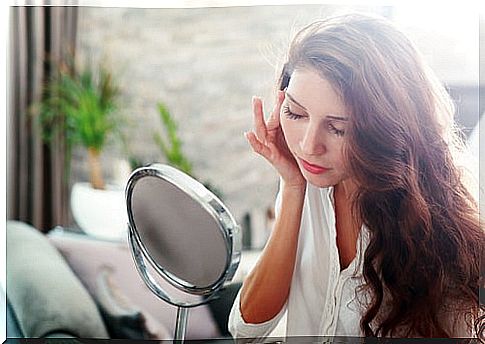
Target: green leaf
[
  {"x": 80, "y": 104},
  {"x": 171, "y": 147}
]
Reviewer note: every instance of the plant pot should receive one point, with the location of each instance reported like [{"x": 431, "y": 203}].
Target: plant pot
[{"x": 100, "y": 213}]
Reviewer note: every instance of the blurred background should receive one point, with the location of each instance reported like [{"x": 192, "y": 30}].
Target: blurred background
[
  {"x": 182, "y": 80},
  {"x": 95, "y": 92}
]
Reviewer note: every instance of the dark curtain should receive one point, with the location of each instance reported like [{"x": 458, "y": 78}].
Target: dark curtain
[{"x": 37, "y": 190}]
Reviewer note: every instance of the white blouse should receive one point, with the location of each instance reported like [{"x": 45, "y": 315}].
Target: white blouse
[{"x": 322, "y": 299}]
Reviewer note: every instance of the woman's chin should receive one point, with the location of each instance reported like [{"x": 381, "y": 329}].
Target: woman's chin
[{"x": 319, "y": 183}]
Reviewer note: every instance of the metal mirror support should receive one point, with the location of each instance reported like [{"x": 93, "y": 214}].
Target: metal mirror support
[{"x": 185, "y": 243}]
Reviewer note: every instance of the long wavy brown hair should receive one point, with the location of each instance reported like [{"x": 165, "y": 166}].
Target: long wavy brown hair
[{"x": 422, "y": 262}]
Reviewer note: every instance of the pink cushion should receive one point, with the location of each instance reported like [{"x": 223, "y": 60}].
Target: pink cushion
[{"x": 89, "y": 257}]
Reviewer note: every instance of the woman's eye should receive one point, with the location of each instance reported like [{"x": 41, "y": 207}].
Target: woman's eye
[
  {"x": 334, "y": 130},
  {"x": 290, "y": 114}
]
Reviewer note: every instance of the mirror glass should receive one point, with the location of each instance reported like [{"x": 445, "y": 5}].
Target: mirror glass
[{"x": 182, "y": 237}]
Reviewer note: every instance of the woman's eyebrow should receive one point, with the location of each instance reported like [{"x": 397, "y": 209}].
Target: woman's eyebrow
[
  {"x": 338, "y": 118},
  {"x": 294, "y": 101}
]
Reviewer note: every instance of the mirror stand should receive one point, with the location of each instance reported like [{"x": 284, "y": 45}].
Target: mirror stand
[{"x": 181, "y": 325}]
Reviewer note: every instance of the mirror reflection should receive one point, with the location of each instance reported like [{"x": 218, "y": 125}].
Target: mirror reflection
[{"x": 179, "y": 234}]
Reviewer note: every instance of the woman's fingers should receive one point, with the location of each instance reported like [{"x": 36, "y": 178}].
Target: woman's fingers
[
  {"x": 259, "y": 124},
  {"x": 262, "y": 139},
  {"x": 258, "y": 146},
  {"x": 274, "y": 120}
]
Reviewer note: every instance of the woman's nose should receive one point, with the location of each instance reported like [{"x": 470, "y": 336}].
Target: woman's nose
[{"x": 313, "y": 141}]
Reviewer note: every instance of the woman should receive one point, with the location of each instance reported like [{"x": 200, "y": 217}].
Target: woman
[{"x": 376, "y": 233}]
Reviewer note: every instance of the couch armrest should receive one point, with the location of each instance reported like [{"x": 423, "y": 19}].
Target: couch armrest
[{"x": 44, "y": 293}]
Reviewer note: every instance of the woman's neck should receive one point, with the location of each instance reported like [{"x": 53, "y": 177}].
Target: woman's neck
[
  {"x": 345, "y": 190},
  {"x": 344, "y": 194}
]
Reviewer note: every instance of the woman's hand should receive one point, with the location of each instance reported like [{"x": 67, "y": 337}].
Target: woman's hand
[{"x": 268, "y": 141}]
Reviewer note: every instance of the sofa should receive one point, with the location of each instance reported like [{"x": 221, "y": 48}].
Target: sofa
[{"x": 65, "y": 284}]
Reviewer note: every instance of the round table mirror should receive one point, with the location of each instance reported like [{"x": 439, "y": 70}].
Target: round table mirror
[{"x": 185, "y": 243}]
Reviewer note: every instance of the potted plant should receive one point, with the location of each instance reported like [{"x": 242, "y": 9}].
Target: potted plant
[{"x": 83, "y": 104}]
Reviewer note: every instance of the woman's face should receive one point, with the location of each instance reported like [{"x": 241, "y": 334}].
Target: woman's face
[{"x": 314, "y": 121}]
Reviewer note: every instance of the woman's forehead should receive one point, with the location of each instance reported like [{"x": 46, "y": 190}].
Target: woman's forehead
[{"x": 314, "y": 94}]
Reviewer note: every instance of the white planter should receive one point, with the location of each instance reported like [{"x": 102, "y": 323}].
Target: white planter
[{"x": 100, "y": 213}]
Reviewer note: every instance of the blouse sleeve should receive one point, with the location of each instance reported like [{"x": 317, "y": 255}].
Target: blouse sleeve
[
  {"x": 278, "y": 200},
  {"x": 238, "y": 327}
]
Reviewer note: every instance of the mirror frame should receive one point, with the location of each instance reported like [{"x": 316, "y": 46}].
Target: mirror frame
[{"x": 228, "y": 227}]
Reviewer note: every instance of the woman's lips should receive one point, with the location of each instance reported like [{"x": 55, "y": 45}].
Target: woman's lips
[{"x": 313, "y": 168}]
